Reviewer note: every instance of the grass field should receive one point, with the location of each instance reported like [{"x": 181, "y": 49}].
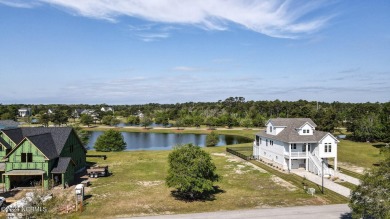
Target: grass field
[
  {"x": 137, "y": 187},
  {"x": 358, "y": 154}
]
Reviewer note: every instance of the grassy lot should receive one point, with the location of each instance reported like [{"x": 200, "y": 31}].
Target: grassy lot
[
  {"x": 137, "y": 187},
  {"x": 358, "y": 153}
]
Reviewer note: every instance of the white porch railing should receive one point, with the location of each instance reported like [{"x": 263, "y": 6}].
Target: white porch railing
[
  {"x": 296, "y": 154},
  {"x": 316, "y": 163},
  {"x": 319, "y": 166}
]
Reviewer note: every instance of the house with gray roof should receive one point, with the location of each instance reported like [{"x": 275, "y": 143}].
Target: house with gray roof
[
  {"x": 41, "y": 156},
  {"x": 293, "y": 143},
  {"x": 7, "y": 124}
]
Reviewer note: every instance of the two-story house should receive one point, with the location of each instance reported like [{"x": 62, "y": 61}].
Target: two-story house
[
  {"x": 39, "y": 155},
  {"x": 292, "y": 143}
]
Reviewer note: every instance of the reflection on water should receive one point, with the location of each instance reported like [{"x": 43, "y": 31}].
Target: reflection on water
[{"x": 163, "y": 141}]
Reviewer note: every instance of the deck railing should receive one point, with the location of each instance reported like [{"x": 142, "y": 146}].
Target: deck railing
[{"x": 296, "y": 154}]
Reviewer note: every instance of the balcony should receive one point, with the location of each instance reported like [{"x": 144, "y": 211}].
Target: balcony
[{"x": 296, "y": 155}]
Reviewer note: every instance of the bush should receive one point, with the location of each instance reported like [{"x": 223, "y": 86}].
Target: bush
[
  {"x": 110, "y": 140},
  {"x": 191, "y": 172},
  {"x": 371, "y": 199},
  {"x": 212, "y": 139}
]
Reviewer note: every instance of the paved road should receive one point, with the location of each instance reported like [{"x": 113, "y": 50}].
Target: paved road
[
  {"x": 327, "y": 183},
  {"x": 301, "y": 212}
]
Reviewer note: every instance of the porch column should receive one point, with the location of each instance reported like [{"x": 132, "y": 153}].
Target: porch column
[
  {"x": 335, "y": 163},
  {"x": 289, "y": 157},
  {"x": 307, "y": 157}
]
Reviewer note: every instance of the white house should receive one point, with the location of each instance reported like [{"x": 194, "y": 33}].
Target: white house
[
  {"x": 24, "y": 112},
  {"x": 107, "y": 109},
  {"x": 293, "y": 143}
]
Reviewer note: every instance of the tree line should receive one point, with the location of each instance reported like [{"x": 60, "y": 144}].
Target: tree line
[{"x": 362, "y": 121}]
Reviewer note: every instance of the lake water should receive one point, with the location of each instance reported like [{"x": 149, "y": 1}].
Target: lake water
[{"x": 163, "y": 141}]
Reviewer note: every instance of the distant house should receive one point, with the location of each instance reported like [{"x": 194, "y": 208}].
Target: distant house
[
  {"x": 77, "y": 113},
  {"x": 293, "y": 143},
  {"x": 8, "y": 124},
  {"x": 50, "y": 111},
  {"x": 40, "y": 156},
  {"x": 90, "y": 112},
  {"x": 140, "y": 114},
  {"x": 24, "y": 112},
  {"x": 107, "y": 109}
]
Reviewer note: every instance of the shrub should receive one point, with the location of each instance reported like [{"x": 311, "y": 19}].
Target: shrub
[
  {"x": 110, "y": 140},
  {"x": 191, "y": 172},
  {"x": 212, "y": 139}
]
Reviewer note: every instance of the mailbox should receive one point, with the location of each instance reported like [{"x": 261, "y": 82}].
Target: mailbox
[{"x": 80, "y": 191}]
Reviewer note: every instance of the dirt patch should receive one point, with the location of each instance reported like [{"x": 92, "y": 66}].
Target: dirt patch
[
  {"x": 351, "y": 167},
  {"x": 149, "y": 183},
  {"x": 235, "y": 159},
  {"x": 219, "y": 154},
  {"x": 285, "y": 184}
]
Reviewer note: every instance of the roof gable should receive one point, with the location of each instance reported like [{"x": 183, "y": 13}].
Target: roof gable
[
  {"x": 21, "y": 143},
  {"x": 306, "y": 123}
]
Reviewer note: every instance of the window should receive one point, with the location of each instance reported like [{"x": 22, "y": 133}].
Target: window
[
  {"x": 271, "y": 142},
  {"x": 266, "y": 142},
  {"x": 304, "y": 131},
  {"x": 257, "y": 140},
  {"x": 294, "y": 146},
  {"x": 308, "y": 147},
  {"x": 328, "y": 147},
  {"x": 276, "y": 157},
  {"x": 308, "y": 131},
  {"x": 27, "y": 157},
  {"x": 24, "y": 156},
  {"x": 270, "y": 129}
]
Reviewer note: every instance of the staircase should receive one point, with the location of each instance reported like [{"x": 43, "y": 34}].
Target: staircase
[{"x": 315, "y": 166}]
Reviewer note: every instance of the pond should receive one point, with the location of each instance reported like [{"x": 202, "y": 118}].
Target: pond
[{"x": 165, "y": 141}]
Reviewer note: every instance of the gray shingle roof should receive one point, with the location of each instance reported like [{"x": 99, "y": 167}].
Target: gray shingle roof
[
  {"x": 59, "y": 135},
  {"x": 8, "y": 123},
  {"x": 62, "y": 165},
  {"x": 290, "y": 134},
  {"x": 45, "y": 144},
  {"x": 295, "y": 122}
]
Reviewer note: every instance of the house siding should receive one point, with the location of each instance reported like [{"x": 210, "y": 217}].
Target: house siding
[
  {"x": 39, "y": 162},
  {"x": 78, "y": 155}
]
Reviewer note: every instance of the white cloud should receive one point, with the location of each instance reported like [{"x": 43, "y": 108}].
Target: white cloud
[
  {"x": 275, "y": 18},
  {"x": 19, "y": 4},
  {"x": 186, "y": 69}
]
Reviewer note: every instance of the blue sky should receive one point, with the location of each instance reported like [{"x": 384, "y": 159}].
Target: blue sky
[{"x": 168, "y": 51}]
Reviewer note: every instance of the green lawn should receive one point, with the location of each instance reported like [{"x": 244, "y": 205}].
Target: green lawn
[
  {"x": 137, "y": 187},
  {"x": 358, "y": 153}
]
